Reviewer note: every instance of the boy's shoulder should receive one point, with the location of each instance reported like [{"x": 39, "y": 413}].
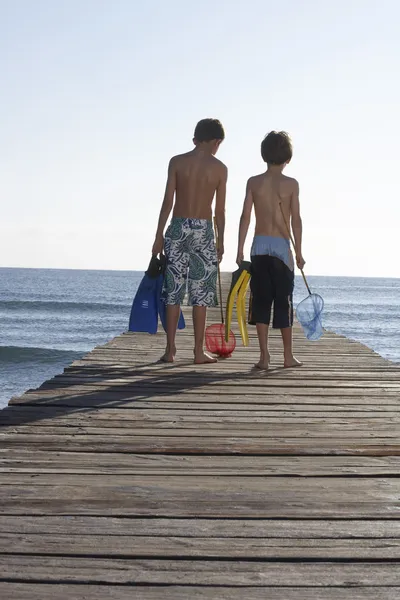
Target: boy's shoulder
[
  {"x": 254, "y": 179},
  {"x": 289, "y": 185},
  {"x": 261, "y": 177},
  {"x": 178, "y": 158},
  {"x": 214, "y": 161},
  {"x": 220, "y": 168},
  {"x": 218, "y": 162},
  {"x": 289, "y": 180}
]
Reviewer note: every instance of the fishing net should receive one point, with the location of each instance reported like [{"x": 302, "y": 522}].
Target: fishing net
[
  {"x": 309, "y": 315},
  {"x": 215, "y": 340}
]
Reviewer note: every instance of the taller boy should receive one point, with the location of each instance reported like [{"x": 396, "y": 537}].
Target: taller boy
[
  {"x": 276, "y": 205},
  {"x": 194, "y": 179}
]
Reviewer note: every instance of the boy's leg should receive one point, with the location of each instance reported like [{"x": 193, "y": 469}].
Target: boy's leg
[
  {"x": 173, "y": 313},
  {"x": 261, "y": 305},
  {"x": 289, "y": 359},
  {"x": 202, "y": 286},
  {"x": 199, "y": 325},
  {"x": 283, "y": 309},
  {"x": 174, "y": 280},
  {"x": 265, "y": 357}
]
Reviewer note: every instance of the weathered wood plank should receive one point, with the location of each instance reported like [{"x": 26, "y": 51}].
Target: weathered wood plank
[
  {"x": 320, "y": 429},
  {"x": 380, "y": 488},
  {"x": 290, "y": 529},
  {"x": 195, "y": 547},
  {"x": 27, "y": 591},
  {"x": 379, "y": 446},
  {"x": 217, "y": 446},
  {"x": 197, "y": 572},
  {"x": 184, "y": 380},
  {"x": 216, "y": 413},
  {"x": 31, "y": 461},
  {"x": 104, "y": 398},
  {"x": 125, "y": 418},
  {"x": 205, "y": 497}
]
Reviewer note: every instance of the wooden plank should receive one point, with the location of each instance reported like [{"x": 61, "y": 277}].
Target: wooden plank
[
  {"x": 320, "y": 429},
  {"x": 379, "y": 446},
  {"x": 197, "y": 572},
  {"x": 92, "y": 398},
  {"x": 30, "y": 591},
  {"x": 290, "y": 529},
  {"x": 165, "y": 407},
  {"x": 214, "y": 446},
  {"x": 280, "y": 378},
  {"x": 189, "y": 547},
  {"x": 206, "y": 497},
  {"x": 125, "y": 418},
  {"x": 122, "y": 361},
  {"x": 216, "y": 413},
  {"x": 31, "y": 461},
  {"x": 380, "y": 488}
]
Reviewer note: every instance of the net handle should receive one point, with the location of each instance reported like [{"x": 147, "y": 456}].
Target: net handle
[
  {"x": 219, "y": 271},
  {"x": 293, "y": 244}
]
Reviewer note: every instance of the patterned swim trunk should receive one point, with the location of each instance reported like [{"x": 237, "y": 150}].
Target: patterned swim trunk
[{"x": 191, "y": 259}]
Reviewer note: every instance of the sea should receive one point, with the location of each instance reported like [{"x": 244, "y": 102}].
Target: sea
[{"x": 49, "y": 317}]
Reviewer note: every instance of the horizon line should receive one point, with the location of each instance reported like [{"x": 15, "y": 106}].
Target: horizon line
[{"x": 223, "y": 271}]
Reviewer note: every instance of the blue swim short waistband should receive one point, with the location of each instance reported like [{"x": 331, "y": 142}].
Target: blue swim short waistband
[{"x": 273, "y": 246}]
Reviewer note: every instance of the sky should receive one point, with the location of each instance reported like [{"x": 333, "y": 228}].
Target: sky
[{"x": 97, "y": 95}]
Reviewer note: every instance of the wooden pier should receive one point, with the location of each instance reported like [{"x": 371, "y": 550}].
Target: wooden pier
[{"x": 124, "y": 478}]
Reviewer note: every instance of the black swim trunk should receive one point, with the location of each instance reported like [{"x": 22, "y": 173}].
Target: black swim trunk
[{"x": 272, "y": 283}]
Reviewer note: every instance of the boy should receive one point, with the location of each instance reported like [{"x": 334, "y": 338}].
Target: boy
[
  {"x": 194, "y": 178},
  {"x": 272, "y": 279}
]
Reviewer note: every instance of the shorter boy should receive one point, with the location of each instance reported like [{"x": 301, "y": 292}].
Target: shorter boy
[
  {"x": 276, "y": 199},
  {"x": 194, "y": 179}
]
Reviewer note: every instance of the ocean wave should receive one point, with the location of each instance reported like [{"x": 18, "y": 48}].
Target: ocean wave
[
  {"x": 22, "y": 354},
  {"x": 37, "y": 305}
]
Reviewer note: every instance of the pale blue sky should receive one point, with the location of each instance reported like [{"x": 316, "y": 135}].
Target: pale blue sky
[{"x": 96, "y": 95}]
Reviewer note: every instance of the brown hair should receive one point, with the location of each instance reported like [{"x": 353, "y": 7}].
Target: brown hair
[
  {"x": 276, "y": 148},
  {"x": 208, "y": 130}
]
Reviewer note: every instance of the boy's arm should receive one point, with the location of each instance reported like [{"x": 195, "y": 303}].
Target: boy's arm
[
  {"x": 244, "y": 222},
  {"x": 297, "y": 225},
  {"x": 220, "y": 211},
  {"x": 166, "y": 208}
]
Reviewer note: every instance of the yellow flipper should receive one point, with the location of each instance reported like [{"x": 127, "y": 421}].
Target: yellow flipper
[
  {"x": 241, "y": 308},
  {"x": 231, "y": 302}
]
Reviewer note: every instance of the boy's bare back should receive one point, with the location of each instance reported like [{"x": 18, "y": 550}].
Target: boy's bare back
[
  {"x": 193, "y": 180},
  {"x": 197, "y": 176},
  {"x": 275, "y": 198},
  {"x": 267, "y": 191}
]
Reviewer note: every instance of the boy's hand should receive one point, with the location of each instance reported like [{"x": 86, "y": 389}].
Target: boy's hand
[
  {"x": 300, "y": 261},
  {"x": 220, "y": 252},
  {"x": 239, "y": 258},
  {"x": 158, "y": 245}
]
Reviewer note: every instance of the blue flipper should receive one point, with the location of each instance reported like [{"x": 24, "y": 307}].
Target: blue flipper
[
  {"x": 144, "y": 312},
  {"x": 181, "y": 322}
]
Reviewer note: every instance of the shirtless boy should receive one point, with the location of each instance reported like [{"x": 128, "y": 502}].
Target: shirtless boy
[
  {"x": 194, "y": 179},
  {"x": 272, "y": 278}
]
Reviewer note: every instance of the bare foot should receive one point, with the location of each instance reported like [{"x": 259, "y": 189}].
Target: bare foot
[
  {"x": 291, "y": 361},
  {"x": 169, "y": 355},
  {"x": 263, "y": 363},
  {"x": 203, "y": 358},
  {"x": 262, "y": 366}
]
